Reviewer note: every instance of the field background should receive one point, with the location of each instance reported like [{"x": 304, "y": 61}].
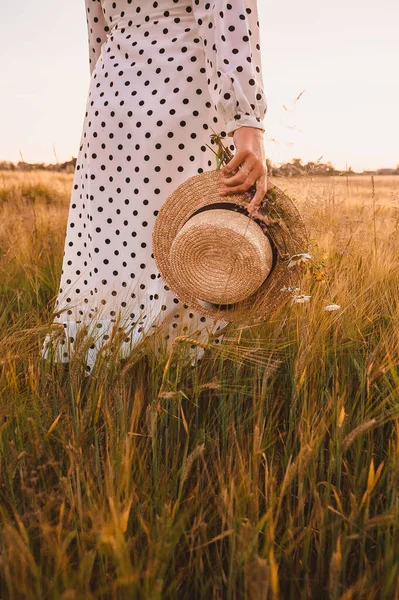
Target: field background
[{"x": 269, "y": 471}]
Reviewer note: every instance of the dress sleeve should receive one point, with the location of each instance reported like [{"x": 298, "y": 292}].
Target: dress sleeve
[
  {"x": 97, "y": 29},
  {"x": 230, "y": 33}
]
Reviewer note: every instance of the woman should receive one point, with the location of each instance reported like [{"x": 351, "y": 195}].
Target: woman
[{"x": 163, "y": 75}]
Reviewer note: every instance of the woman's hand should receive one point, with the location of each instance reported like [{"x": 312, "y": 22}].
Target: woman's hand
[{"x": 250, "y": 160}]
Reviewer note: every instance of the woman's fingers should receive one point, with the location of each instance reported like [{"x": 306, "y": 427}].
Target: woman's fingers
[
  {"x": 243, "y": 172},
  {"x": 235, "y": 162},
  {"x": 242, "y": 181},
  {"x": 238, "y": 178},
  {"x": 261, "y": 189}
]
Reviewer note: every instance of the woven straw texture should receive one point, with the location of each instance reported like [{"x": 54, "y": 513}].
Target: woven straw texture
[
  {"x": 221, "y": 256},
  {"x": 200, "y": 271}
]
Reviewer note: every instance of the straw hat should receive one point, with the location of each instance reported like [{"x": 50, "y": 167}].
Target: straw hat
[{"x": 221, "y": 261}]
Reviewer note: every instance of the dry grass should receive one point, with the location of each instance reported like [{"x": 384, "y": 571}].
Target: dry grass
[{"x": 239, "y": 479}]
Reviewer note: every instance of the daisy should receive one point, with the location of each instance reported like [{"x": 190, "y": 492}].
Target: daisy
[
  {"x": 299, "y": 299},
  {"x": 296, "y": 259},
  {"x": 332, "y": 307}
]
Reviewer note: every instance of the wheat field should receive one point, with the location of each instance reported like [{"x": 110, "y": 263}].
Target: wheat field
[{"x": 270, "y": 471}]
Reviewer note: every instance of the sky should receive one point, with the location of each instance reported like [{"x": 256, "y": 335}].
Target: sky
[{"x": 341, "y": 58}]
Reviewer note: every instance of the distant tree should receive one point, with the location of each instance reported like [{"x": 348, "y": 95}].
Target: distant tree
[{"x": 6, "y": 165}]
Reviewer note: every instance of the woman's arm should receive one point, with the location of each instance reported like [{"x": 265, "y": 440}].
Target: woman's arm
[
  {"x": 231, "y": 37},
  {"x": 230, "y": 33},
  {"x": 97, "y": 29}
]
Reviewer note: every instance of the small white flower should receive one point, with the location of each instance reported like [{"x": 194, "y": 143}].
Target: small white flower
[
  {"x": 298, "y": 258},
  {"x": 300, "y": 299},
  {"x": 332, "y": 307}
]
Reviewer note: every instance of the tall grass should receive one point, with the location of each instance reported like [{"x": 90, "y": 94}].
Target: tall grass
[{"x": 270, "y": 470}]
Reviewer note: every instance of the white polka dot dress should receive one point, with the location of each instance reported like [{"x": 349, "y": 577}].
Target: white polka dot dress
[{"x": 163, "y": 75}]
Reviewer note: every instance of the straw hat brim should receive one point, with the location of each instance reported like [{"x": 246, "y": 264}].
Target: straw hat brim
[{"x": 285, "y": 230}]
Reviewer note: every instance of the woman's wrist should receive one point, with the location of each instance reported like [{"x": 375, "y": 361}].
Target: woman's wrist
[
  {"x": 248, "y": 136},
  {"x": 257, "y": 130}
]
